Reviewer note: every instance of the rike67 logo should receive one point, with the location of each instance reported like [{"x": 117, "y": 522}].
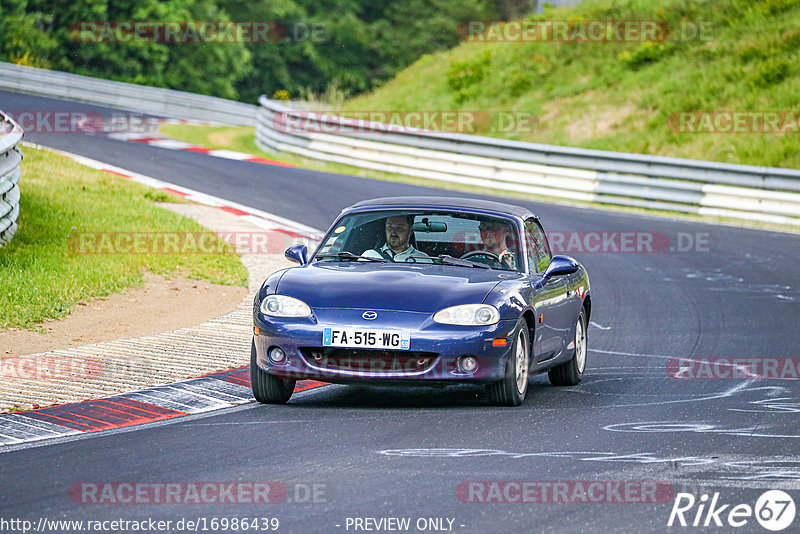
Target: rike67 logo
[{"x": 774, "y": 510}]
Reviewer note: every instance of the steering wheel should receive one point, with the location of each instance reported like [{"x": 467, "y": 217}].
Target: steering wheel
[{"x": 494, "y": 258}]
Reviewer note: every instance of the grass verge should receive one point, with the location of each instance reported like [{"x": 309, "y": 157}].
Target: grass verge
[
  {"x": 629, "y": 95},
  {"x": 41, "y": 277}
]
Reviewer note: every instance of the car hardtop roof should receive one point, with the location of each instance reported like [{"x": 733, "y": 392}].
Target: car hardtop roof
[{"x": 445, "y": 202}]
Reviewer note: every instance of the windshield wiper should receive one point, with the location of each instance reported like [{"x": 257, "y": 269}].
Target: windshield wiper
[
  {"x": 450, "y": 260},
  {"x": 350, "y": 256}
]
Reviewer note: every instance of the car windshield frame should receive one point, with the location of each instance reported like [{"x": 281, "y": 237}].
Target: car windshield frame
[{"x": 325, "y": 253}]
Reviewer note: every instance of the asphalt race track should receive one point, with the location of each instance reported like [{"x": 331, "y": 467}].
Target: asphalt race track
[{"x": 350, "y": 453}]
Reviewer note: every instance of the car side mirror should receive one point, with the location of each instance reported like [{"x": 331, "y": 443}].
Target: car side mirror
[
  {"x": 297, "y": 254},
  {"x": 559, "y": 266}
]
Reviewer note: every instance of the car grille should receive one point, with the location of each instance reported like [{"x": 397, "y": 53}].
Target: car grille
[{"x": 372, "y": 362}]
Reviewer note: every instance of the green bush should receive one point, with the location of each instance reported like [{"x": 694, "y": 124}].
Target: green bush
[
  {"x": 772, "y": 72},
  {"x": 465, "y": 77},
  {"x": 646, "y": 53}
]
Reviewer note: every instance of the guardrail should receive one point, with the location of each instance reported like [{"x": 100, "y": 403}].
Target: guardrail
[
  {"x": 129, "y": 96},
  {"x": 706, "y": 188},
  {"x": 10, "y": 157}
]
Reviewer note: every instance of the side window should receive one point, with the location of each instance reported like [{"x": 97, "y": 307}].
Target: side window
[{"x": 538, "y": 250}]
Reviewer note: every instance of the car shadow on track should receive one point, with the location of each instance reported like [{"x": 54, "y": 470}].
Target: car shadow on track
[
  {"x": 386, "y": 396},
  {"x": 378, "y": 396}
]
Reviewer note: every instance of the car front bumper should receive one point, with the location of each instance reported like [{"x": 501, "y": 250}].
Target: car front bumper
[{"x": 432, "y": 356}]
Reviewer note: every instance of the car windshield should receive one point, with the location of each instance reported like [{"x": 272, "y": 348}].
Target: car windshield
[{"x": 463, "y": 239}]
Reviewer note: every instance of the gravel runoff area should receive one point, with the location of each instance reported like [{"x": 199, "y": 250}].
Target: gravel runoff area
[{"x": 111, "y": 367}]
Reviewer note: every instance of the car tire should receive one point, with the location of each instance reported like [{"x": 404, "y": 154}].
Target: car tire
[
  {"x": 268, "y": 389},
  {"x": 570, "y": 373},
  {"x": 511, "y": 390}
]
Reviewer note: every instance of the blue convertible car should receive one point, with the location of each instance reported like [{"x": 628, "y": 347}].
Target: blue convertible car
[{"x": 417, "y": 290}]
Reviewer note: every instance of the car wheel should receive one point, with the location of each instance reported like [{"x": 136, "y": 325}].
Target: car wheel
[
  {"x": 570, "y": 373},
  {"x": 512, "y": 389},
  {"x": 268, "y": 389}
]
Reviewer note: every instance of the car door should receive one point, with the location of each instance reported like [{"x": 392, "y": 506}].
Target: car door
[{"x": 553, "y": 321}]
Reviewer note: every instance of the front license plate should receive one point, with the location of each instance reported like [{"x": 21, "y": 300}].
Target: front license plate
[{"x": 369, "y": 339}]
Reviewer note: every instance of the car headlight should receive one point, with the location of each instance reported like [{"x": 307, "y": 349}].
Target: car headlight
[
  {"x": 283, "y": 306},
  {"x": 468, "y": 315}
]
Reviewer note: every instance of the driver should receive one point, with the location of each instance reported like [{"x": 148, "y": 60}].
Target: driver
[
  {"x": 495, "y": 237},
  {"x": 398, "y": 247}
]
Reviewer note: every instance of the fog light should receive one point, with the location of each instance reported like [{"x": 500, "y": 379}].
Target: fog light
[
  {"x": 468, "y": 364},
  {"x": 276, "y": 355}
]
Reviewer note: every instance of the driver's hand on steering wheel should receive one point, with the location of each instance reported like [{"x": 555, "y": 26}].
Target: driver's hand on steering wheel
[{"x": 507, "y": 258}]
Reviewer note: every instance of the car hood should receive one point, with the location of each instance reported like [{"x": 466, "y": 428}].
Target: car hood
[{"x": 381, "y": 286}]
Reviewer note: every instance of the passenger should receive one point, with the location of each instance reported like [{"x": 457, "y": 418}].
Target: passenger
[
  {"x": 398, "y": 242},
  {"x": 495, "y": 237}
]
